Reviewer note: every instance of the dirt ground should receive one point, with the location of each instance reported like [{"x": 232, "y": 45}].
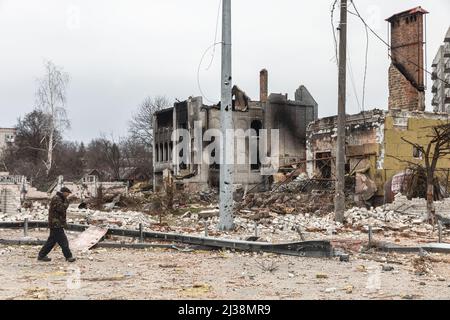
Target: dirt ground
[{"x": 169, "y": 274}]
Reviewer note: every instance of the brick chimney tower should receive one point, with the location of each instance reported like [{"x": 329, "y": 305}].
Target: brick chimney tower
[
  {"x": 406, "y": 73},
  {"x": 263, "y": 85}
]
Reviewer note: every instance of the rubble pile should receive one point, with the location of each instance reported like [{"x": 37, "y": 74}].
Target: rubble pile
[
  {"x": 301, "y": 183},
  {"x": 381, "y": 219},
  {"x": 316, "y": 202},
  {"x": 118, "y": 219},
  {"x": 110, "y": 219},
  {"x": 273, "y": 228},
  {"x": 36, "y": 211},
  {"x": 275, "y": 217},
  {"x": 418, "y": 206}
]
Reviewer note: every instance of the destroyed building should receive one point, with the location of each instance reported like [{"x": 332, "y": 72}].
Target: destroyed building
[
  {"x": 374, "y": 145},
  {"x": 7, "y": 137},
  {"x": 375, "y": 149},
  {"x": 274, "y": 111}
]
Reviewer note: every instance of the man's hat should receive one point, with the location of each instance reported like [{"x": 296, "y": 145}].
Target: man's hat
[{"x": 64, "y": 189}]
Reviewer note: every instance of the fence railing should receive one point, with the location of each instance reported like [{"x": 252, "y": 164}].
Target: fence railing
[{"x": 11, "y": 179}]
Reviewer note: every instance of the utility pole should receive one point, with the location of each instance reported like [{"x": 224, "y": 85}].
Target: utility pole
[
  {"x": 226, "y": 116},
  {"x": 339, "y": 200}
]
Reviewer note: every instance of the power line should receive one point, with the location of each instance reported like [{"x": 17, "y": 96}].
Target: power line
[
  {"x": 213, "y": 46},
  {"x": 366, "y": 60},
  {"x": 198, "y": 71},
  {"x": 389, "y": 46},
  {"x": 333, "y": 8},
  {"x": 215, "y": 36}
]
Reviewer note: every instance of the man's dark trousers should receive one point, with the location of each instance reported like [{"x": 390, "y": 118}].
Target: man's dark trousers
[{"x": 57, "y": 236}]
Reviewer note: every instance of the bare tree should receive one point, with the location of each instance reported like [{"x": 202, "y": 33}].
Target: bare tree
[
  {"x": 135, "y": 154},
  {"x": 436, "y": 149},
  {"x": 51, "y": 99},
  {"x": 103, "y": 153},
  {"x": 141, "y": 124}
]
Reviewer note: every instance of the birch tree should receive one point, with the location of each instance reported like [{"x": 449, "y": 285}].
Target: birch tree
[{"x": 51, "y": 99}]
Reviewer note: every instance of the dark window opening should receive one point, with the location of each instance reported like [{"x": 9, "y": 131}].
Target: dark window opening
[
  {"x": 164, "y": 119},
  {"x": 256, "y": 125},
  {"x": 166, "y": 156},
  {"x": 417, "y": 153},
  {"x": 157, "y": 153},
  {"x": 323, "y": 164},
  {"x": 214, "y": 165},
  {"x": 347, "y": 168}
]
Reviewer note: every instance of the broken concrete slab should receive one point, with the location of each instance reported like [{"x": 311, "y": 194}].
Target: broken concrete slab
[{"x": 88, "y": 238}]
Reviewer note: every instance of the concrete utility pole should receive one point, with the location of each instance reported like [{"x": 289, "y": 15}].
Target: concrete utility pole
[
  {"x": 226, "y": 116},
  {"x": 339, "y": 200}
]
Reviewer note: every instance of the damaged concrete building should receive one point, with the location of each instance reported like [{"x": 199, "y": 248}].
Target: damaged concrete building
[
  {"x": 272, "y": 111},
  {"x": 375, "y": 150},
  {"x": 7, "y": 138},
  {"x": 441, "y": 77}
]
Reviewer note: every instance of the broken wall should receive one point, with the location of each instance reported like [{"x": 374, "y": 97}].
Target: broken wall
[
  {"x": 374, "y": 143},
  {"x": 415, "y": 127},
  {"x": 243, "y": 173},
  {"x": 9, "y": 199},
  {"x": 291, "y": 118},
  {"x": 364, "y": 136}
]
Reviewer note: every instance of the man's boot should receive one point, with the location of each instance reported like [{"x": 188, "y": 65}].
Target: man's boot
[
  {"x": 44, "y": 259},
  {"x": 71, "y": 259}
]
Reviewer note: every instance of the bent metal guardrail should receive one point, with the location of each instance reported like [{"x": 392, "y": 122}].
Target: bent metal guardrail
[{"x": 315, "y": 249}]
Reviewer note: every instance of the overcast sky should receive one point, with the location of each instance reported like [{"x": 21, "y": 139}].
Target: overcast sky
[{"x": 117, "y": 52}]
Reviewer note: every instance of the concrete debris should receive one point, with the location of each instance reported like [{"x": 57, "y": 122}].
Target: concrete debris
[
  {"x": 422, "y": 266},
  {"x": 317, "y": 203},
  {"x": 365, "y": 188},
  {"x": 88, "y": 239},
  {"x": 112, "y": 219},
  {"x": 280, "y": 216},
  {"x": 387, "y": 268}
]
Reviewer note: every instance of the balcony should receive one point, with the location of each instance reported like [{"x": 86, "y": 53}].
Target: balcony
[
  {"x": 434, "y": 76},
  {"x": 447, "y": 50},
  {"x": 447, "y": 66},
  {"x": 434, "y": 88},
  {"x": 435, "y": 102}
]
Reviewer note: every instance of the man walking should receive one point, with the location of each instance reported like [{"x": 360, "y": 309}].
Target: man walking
[{"x": 57, "y": 223}]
